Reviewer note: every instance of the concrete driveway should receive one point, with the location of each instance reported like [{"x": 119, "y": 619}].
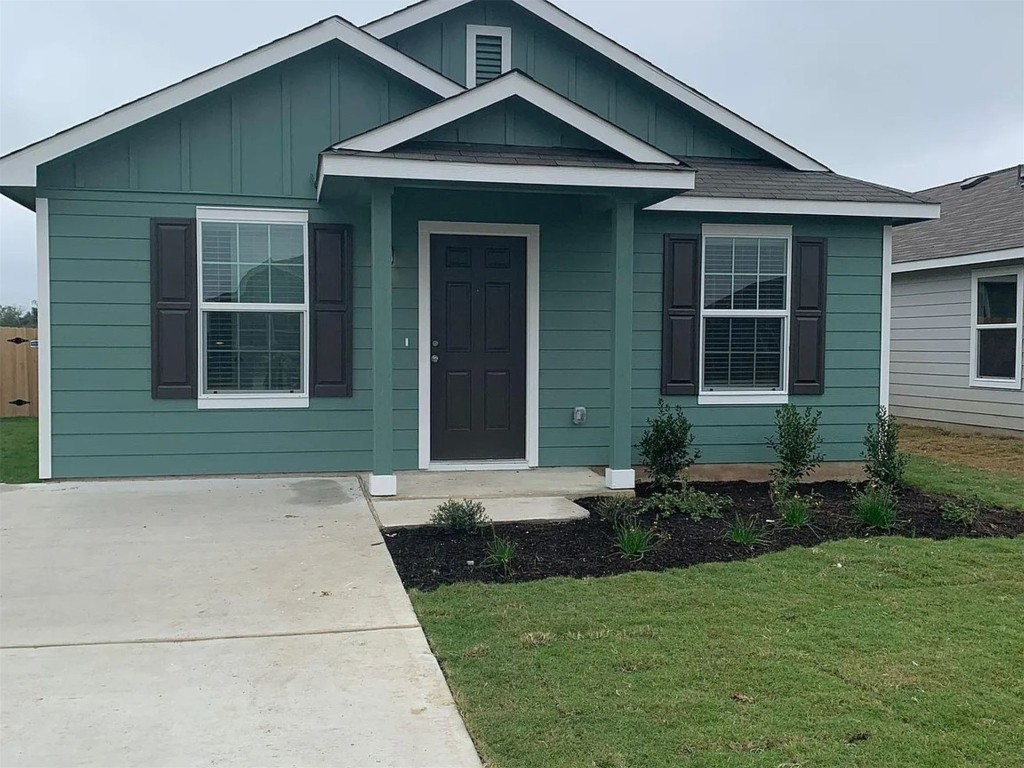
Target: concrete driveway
[{"x": 211, "y": 622}]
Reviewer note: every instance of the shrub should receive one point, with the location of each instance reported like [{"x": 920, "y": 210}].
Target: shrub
[
  {"x": 695, "y": 504},
  {"x": 883, "y": 461},
  {"x": 796, "y": 510},
  {"x": 666, "y": 446},
  {"x": 796, "y": 444},
  {"x": 460, "y": 516},
  {"x": 618, "y": 509},
  {"x": 875, "y": 507},
  {"x": 634, "y": 540},
  {"x": 964, "y": 511},
  {"x": 746, "y": 532},
  {"x": 500, "y": 552}
]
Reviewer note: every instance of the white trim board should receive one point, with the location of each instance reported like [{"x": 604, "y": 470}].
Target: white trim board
[
  {"x": 18, "y": 168},
  {"x": 369, "y": 166},
  {"x": 886, "y": 337},
  {"x": 532, "y": 234},
  {"x": 970, "y": 259},
  {"x": 44, "y": 385},
  {"x": 512, "y": 84},
  {"x": 475, "y": 30},
  {"x": 797, "y": 207},
  {"x": 420, "y": 12}
]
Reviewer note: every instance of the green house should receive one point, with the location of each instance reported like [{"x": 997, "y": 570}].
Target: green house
[{"x": 471, "y": 233}]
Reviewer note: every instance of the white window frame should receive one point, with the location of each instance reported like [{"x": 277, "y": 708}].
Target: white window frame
[
  {"x": 746, "y": 396},
  {"x": 475, "y": 30},
  {"x": 980, "y": 274},
  {"x": 208, "y": 400}
]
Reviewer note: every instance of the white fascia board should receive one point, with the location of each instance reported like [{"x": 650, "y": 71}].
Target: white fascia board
[
  {"x": 1007, "y": 254},
  {"x": 499, "y": 173},
  {"x": 18, "y": 169},
  {"x": 625, "y": 58},
  {"x": 498, "y": 90},
  {"x": 798, "y": 207}
]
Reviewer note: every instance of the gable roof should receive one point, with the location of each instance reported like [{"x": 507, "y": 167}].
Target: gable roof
[
  {"x": 977, "y": 218},
  {"x": 605, "y": 46},
  {"x": 18, "y": 168},
  {"x": 513, "y": 84}
]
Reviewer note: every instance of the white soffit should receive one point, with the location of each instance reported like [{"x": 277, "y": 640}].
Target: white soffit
[
  {"x": 797, "y": 207},
  {"x": 428, "y": 9},
  {"x": 18, "y": 168},
  {"x": 512, "y": 84}
]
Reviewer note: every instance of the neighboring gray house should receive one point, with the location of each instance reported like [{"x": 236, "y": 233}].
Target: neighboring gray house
[{"x": 958, "y": 307}]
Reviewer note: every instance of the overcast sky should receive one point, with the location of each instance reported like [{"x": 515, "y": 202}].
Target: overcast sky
[{"x": 909, "y": 94}]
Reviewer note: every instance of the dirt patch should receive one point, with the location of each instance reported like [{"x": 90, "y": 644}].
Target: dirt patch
[
  {"x": 429, "y": 557},
  {"x": 992, "y": 453}
]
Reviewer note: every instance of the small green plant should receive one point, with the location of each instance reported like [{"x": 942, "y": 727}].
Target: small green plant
[
  {"x": 460, "y": 516},
  {"x": 695, "y": 504},
  {"x": 634, "y": 540},
  {"x": 746, "y": 532},
  {"x": 796, "y": 510},
  {"x": 615, "y": 510},
  {"x": 964, "y": 511},
  {"x": 500, "y": 552},
  {"x": 796, "y": 444},
  {"x": 875, "y": 507},
  {"x": 883, "y": 462},
  {"x": 666, "y": 447}
]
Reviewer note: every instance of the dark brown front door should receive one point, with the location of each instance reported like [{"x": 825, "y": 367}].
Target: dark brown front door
[{"x": 477, "y": 347}]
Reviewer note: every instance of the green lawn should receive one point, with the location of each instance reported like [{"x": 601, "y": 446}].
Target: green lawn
[
  {"x": 876, "y": 652},
  {"x": 999, "y": 489},
  {"x": 18, "y": 441}
]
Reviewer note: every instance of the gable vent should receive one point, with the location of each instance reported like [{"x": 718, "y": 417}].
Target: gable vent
[{"x": 488, "y": 53}]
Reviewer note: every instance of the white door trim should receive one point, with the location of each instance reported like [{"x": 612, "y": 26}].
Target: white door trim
[{"x": 532, "y": 234}]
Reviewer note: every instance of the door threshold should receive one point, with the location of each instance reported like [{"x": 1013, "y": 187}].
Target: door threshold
[{"x": 484, "y": 464}]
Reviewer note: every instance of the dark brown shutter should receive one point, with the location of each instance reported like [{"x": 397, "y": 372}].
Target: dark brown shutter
[
  {"x": 330, "y": 305},
  {"x": 680, "y": 316},
  {"x": 807, "y": 338},
  {"x": 173, "y": 306}
]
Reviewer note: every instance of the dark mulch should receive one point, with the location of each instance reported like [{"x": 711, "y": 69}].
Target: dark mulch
[{"x": 428, "y": 557}]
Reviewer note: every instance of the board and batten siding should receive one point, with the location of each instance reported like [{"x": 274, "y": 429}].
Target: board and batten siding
[
  {"x": 737, "y": 433},
  {"x": 931, "y": 351}
]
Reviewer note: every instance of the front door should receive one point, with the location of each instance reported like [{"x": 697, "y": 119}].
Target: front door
[{"x": 477, "y": 347}]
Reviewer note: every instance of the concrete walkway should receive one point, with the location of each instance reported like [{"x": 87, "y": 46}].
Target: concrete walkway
[
  {"x": 211, "y": 622},
  {"x": 528, "y": 495}
]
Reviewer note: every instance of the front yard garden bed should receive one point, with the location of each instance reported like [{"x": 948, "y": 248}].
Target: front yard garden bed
[{"x": 429, "y": 557}]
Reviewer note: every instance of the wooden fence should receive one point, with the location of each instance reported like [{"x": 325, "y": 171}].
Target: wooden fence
[{"x": 19, "y": 372}]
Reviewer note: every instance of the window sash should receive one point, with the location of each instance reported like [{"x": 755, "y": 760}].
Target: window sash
[
  {"x": 1016, "y": 275},
  {"x": 238, "y": 398},
  {"x": 746, "y": 232}
]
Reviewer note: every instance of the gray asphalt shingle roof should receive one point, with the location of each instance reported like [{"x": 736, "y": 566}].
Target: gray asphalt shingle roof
[{"x": 988, "y": 216}]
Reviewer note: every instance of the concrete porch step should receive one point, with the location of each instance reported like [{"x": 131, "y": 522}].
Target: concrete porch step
[{"x": 410, "y": 513}]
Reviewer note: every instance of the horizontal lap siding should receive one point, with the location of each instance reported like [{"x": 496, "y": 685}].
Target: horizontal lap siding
[
  {"x": 737, "y": 433},
  {"x": 105, "y": 422},
  {"x": 930, "y": 360}
]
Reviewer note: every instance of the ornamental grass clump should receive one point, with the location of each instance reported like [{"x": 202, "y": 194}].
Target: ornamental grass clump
[
  {"x": 460, "y": 516},
  {"x": 746, "y": 532},
  {"x": 666, "y": 447},
  {"x": 500, "y": 553},
  {"x": 875, "y": 507},
  {"x": 796, "y": 510},
  {"x": 634, "y": 540}
]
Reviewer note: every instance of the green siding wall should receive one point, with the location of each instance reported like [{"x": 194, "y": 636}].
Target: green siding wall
[
  {"x": 258, "y": 137},
  {"x": 736, "y": 433},
  {"x": 563, "y": 64},
  {"x": 513, "y": 122}
]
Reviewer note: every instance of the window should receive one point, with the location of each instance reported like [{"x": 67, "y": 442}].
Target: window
[
  {"x": 996, "y": 309},
  {"x": 253, "y": 308},
  {"x": 488, "y": 53},
  {"x": 744, "y": 314}
]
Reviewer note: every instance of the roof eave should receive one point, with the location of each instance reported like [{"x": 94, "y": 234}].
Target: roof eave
[{"x": 902, "y": 212}]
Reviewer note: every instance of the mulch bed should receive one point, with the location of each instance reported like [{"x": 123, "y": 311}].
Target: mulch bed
[{"x": 428, "y": 557}]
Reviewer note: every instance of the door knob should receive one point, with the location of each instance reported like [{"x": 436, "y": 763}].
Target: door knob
[{"x": 433, "y": 358}]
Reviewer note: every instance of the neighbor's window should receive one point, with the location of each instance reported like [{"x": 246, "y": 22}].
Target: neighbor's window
[
  {"x": 744, "y": 324},
  {"x": 254, "y": 307},
  {"x": 996, "y": 328}
]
